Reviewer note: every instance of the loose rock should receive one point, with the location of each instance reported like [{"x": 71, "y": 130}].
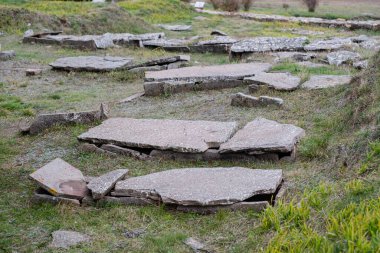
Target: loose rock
[
  {"x": 361, "y": 64},
  {"x": 65, "y": 239},
  {"x": 340, "y": 57},
  {"x": 102, "y": 185},
  {"x": 195, "y": 245},
  {"x": 33, "y": 72}
]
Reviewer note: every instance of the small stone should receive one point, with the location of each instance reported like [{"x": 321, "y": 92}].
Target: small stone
[
  {"x": 134, "y": 233},
  {"x": 265, "y": 100},
  {"x": 199, "y": 5},
  {"x": 7, "y": 55},
  {"x": 218, "y": 33},
  {"x": 361, "y": 64},
  {"x": 326, "y": 81},
  {"x": 65, "y": 239},
  {"x": 241, "y": 99},
  {"x": 195, "y": 245},
  {"x": 28, "y": 33},
  {"x": 253, "y": 88},
  {"x": 33, "y": 72},
  {"x": 103, "y": 184},
  {"x": 340, "y": 57}
]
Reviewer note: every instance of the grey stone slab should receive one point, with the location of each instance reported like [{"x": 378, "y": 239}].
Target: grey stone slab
[
  {"x": 61, "y": 179},
  {"x": 149, "y": 68},
  {"x": 277, "y": 81},
  {"x": 326, "y": 81},
  {"x": 132, "y": 97},
  {"x": 340, "y": 57},
  {"x": 42, "y": 196},
  {"x": 328, "y": 45},
  {"x": 202, "y": 186},
  {"x": 103, "y": 184},
  {"x": 297, "y": 56},
  {"x": 241, "y": 99},
  {"x": 91, "y": 63},
  {"x": 65, "y": 239},
  {"x": 7, "y": 55},
  {"x": 256, "y": 206},
  {"x": 169, "y": 44},
  {"x": 372, "y": 44},
  {"x": 262, "y": 135},
  {"x": 267, "y": 100},
  {"x": 176, "y": 135},
  {"x": 201, "y": 73},
  {"x": 218, "y": 44},
  {"x": 125, "y": 151},
  {"x": 175, "y": 28}
]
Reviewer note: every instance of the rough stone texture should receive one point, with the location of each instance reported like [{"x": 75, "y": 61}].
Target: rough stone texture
[
  {"x": 65, "y": 239},
  {"x": 134, "y": 233},
  {"x": 61, "y": 179},
  {"x": 341, "y": 57},
  {"x": 132, "y": 97},
  {"x": 175, "y": 28},
  {"x": 201, "y": 73},
  {"x": 195, "y": 245},
  {"x": 262, "y": 135},
  {"x": 149, "y": 68},
  {"x": 125, "y": 151},
  {"x": 177, "y": 65},
  {"x": 44, "y": 121},
  {"x": 103, "y": 184},
  {"x": 372, "y": 44},
  {"x": 218, "y": 33},
  {"x": 256, "y": 206},
  {"x": 7, "y": 55},
  {"x": 240, "y": 99},
  {"x": 176, "y": 135},
  {"x": 266, "y": 100},
  {"x": 33, "y": 72},
  {"x": 42, "y": 196},
  {"x": 218, "y": 44},
  {"x": 202, "y": 186},
  {"x": 325, "y": 81},
  {"x": 162, "y": 61},
  {"x": 361, "y": 64},
  {"x": 91, "y": 63},
  {"x": 305, "y": 32},
  {"x": 169, "y": 44},
  {"x": 328, "y": 45},
  {"x": 297, "y": 56},
  {"x": 277, "y": 81}
]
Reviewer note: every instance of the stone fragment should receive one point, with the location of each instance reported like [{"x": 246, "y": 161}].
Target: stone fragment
[
  {"x": 88, "y": 147},
  {"x": 304, "y": 56},
  {"x": 297, "y": 56},
  {"x": 277, "y": 81},
  {"x": 7, "y": 55},
  {"x": 241, "y": 99},
  {"x": 371, "y": 44},
  {"x": 326, "y": 81},
  {"x": 175, "y": 28},
  {"x": 42, "y": 196},
  {"x": 103, "y": 184},
  {"x": 91, "y": 63},
  {"x": 341, "y": 57},
  {"x": 261, "y": 136},
  {"x": 256, "y": 206},
  {"x": 177, "y": 65},
  {"x": 218, "y": 33},
  {"x": 65, "y": 239},
  {"x": 176, "y": 135},
  {"x": 328, "y": 45},
  {"x": 134, "y": 233},
  {"x": 266, "y": 100},
  {"x": 195, "y": 245},
  {"x": 33, "y": 72},
  {"x": 125, "y": 151},
  {"x": 28, "y": 33},
  {"x": 132, "y": 97},
  {"x": 202, "y": 186},
  {"x": 61, "y": 179},
  {"x": 45, "y": 121},
  {"x": 361, "y": 64}
]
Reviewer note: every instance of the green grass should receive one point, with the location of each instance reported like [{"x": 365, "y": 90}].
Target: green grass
[{"x": 13, "y": 105}]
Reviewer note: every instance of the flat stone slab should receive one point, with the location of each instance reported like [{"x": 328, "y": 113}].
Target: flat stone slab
[
  {"x": 277, "y": 81},
  {"x": 241, "y": 99},
  {"x": 175, "y": 135},
  {"x": 42, "y": 196},
  {"x": 202, "y": 186},
  {"x": 326, "y": 81},
  {"x": 216, "y": 72},
  {"x": 176, "y": 28},
  {"x": 340, "y": 57},
  {"x": 162, "y": 61},
  {"x": 61, "y": 179},
  {"x": 91, "y": 63},
  {"x": 169, "y": 44},
  {"x": 102, "y": 185},
  {"x": 328, "y": 45},
  {"x": 268, "y": 44},
  {"x": 65, "y": 239},
  {"x": 261, "y": 136}
]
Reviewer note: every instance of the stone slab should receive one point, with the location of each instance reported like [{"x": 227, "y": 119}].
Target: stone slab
[
  {"x": 132, "y": 97},
  {"x": 91, "y": 63},
  {"x": 125, "y": 152},
  {"x": 162, "y": 61},
  {"x": 65, "y": 239},
  {"x": 277, "y": 81},
  {"x": 176, "y": 28},
  {"x": 42, "y": 196},
  {"x": 202, "y": 186},
  {"x": 329, "y": 44},
  {"x": 103, "y": 184},
  {"x": 61, "y": 179},
  {"x": 169, "y": 44},
  {"x": 326, "y": 81},
  {"x": 176, "y": 135},
  {"x": 340, "y": 57},
  {"x": 201, "y": 73},
  {"x": 261, "y": 136}
]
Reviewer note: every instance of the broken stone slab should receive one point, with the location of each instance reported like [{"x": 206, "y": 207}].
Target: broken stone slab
[
  {"x": 371, "y": 44},
  {"x": 61, "y": 179},
  {"x": 256, "y": 206},
  {"x": 125, "y": 151},
  {"x": 218, "y": 44},
  {"x": 195, "y": 245},
  {"x": 241, "y": 99},
  {"x": 65, "y": 239},
  {"x": 202, "y": 73},
  {"x": 91, "y": 63},
  {"x": 132, "y": 97},
  {"x": 129, "y": 201},
  {"x": 162, "y": 61},
  {"x": 42, "y": 196},
  {"x": 326, "y": 81},
  {"x": 45, "y": 121},
  {"x": 329, "y": 44},
  {"x": 266, "y": 44},
  {"x": 277, "y": 81},
  {"x": 297, "y": 56},
  {"x": 7, "y": 55},
  {"x": 103, "y": 184},
  {"x": 261, "y": 136},
  {"x": 202, "y": 186},
  {"x": 361, "y": 64},
  {"x": 340, "y": 57},
  {"x": 176, "y": 28},
  {"x": 177, "y": 135},
  {"x": 169, "y": 44},
  {"x": 218, "y": 33},
  {"x": 33, "y": 72}
]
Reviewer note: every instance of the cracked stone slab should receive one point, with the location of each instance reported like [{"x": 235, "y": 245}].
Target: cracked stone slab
[
  {"x": 330, "y": 44},
  {"x": 103, "y": 184},
  {"x": 65, "y": 239},
  {"x": 277, "y": 81},
  {"x": 176, "y": 135},
  {"x": 261, "y": 136},
  {"x": 201, "y": 73},
  {"x": 326, "y": 81},
  {"x": 176, "y": 28},
  {"x": 91, "y": 63},
  {"x": 61, "y": 179},
  {"x": 202, "y": 186},
  {"x": 340, "y": 57}
]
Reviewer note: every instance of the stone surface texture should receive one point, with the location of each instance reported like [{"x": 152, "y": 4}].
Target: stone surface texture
[
  {"x": 262, "y": 135},
  {"x": 91, "y": 63},
  {"x": 268, "y": 44},
  {"x": 330, "y": 44},
  {"x": 65, "y": 239},
  {"x": 277, "y": 81},
  {"x": 176, "y": 135},
  {"x": 103, "y": 184},
  {"x": 340, "y": 57},
  {"x": 175, "y": 28},
  {"x": 326, "y": 81},
  {"x": 202, "y": 186}
]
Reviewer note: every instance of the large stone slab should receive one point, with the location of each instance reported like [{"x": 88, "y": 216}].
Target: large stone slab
[
  {"x": 328, "y": 45},
  {"x": 91, "y": 63},
  {"x": 202, "y": 186},
  {"x": 65, "y": 239},
  {"x": 168, "y": 44},
  {"x": 176, "y": 135},
  {"x": 261, "y": 136},
  {"x": 277, "y": 81},
  {"x": 61, "y": 179},
  {"x": 218, "y": 44},
  {"x": 341, "y": 57},
  {"x": 326, "y": 81},
  {"x": 103, "y": 184},
  {"x": 201, "y": 73}
]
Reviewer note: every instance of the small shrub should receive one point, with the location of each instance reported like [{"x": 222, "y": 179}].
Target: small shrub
[
  {"x": 247, "y": 4},
  {"x": 311, "y": 4},
  {"x": 230, "y": 5}
]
